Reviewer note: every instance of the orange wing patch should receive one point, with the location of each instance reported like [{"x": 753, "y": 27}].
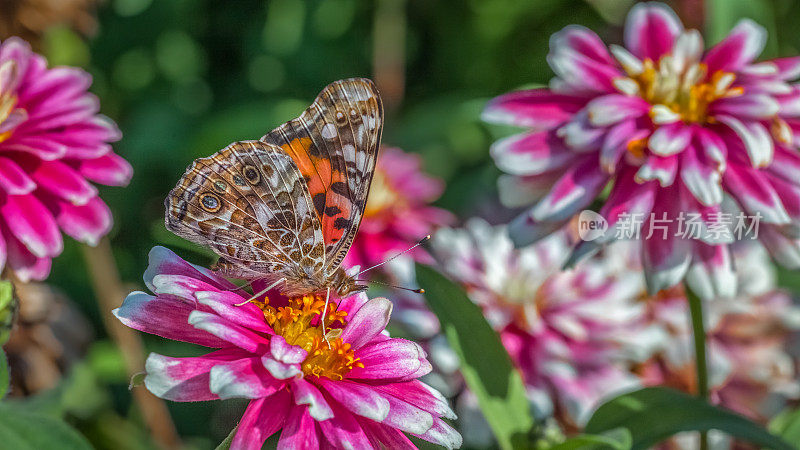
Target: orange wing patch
[
  {"x": 334, "y": 144},
  {"x": 327, "y": 187}
]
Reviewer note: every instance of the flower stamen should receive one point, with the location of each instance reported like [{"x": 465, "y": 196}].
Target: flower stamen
[
  {"x": 299, "y": 322},
  {"x": 381, "y": 195},
  {"x": 677, "y": 92}
]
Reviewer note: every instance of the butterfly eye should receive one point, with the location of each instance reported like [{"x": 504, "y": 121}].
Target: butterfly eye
[
  {"x": 210, "y": 202},
  {"x": 353, "y": 115},
  {"x": 251, "y": 173},
  {"x": 220, "y": 186},
  {"x": 340, "y": 118}
]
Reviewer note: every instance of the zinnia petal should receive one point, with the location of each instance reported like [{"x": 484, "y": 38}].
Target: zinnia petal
[
  {"x": 344, "y": 431},
  {"x": 109, "y": 169},
  {"x": 531, "y": 153},
  {"x": 574, "y": 190},
  {"x": 754, "y": 193},
  {"x": 299, "y": 431},
  {"x": 224, "y": 304},
  {"x": 14, "y": 180},
  {"x": 85, "y": 223},
  {"x": 702, "y": 181},
  {"x": 368, "y": 321},
  {"x": 306, "y": 394},
  {"x": 392, "y": 359},
  {"x": 442, "y": 434},
  {"x": 163, "y": 316},
  {"x": 360, "y": 399},
  {"x": 223, "y": 329},
  {"x": 185, "y": 379},
  {"x": 25, "y": 264},
  {"x": 743, "y": 45},
  {"x": 32, "y": 224},
  {"x": 651, "y": 30},
  {"x": 711, "y": 274},
  {"x": 261, "y": 419},
  {"x": 670, "y": 139},
  {"x": 243, "y": 378},
  {"x": 613, "y": 108},
  {"x": 536, "y": 108},
  {"x": 164, "y": 261}
]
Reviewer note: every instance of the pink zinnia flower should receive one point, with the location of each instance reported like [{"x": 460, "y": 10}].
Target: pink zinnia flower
[
  {"x": 398, "y": 212},
  {"x": 358, "y": 390},
  {"x": 672, "y": 130},
  {"x": 52, "y": 140},
  {"x": 560, "y": 328}
]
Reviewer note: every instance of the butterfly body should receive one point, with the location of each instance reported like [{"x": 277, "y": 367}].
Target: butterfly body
[
  {"x": 285, "y": 209},
  {"x": 301, "y": 283}
]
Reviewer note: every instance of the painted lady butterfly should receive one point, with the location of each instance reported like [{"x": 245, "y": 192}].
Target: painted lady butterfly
[{"x": 285, "y": 209}]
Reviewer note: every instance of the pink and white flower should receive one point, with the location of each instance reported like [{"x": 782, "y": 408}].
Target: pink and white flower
[
  {"x": 751, "y": 369},
  {"x": 398, "y": 212},
  {"x": 671, "y": 129},
  {"x": 52, "y": 143},
  {"x": 358, "y": 389},
  {"x": 560, "y": 328}
]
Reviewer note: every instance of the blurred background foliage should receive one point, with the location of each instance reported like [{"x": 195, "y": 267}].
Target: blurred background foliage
[{"x": 183, "y": 78}]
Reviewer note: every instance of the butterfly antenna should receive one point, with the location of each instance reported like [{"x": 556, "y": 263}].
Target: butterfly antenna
[
  {"x": 322, "y": 320},
  {"x": 421, "y": 241},
  {"x": 416, "y": 291},
  {"x": 242, "y": 287},
  {"x": 262, "y": 292}
]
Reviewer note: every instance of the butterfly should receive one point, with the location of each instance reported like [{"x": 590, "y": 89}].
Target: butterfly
[{"x": 284, "y": 209}]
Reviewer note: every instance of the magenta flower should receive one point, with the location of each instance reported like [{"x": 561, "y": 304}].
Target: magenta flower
[
  {"x": 360, "y": 391},
  {"x": 398, "y": 212},
  {"x": 674, "y": 131},
  {"x": 561, "y": 329},
  {"x": 52, "y": 140}
]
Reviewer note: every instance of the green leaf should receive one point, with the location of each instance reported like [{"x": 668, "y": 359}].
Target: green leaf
[
  {"x": 612, "y": 11},
  {"x": 226, "y": 443},
  {"x": 723, "y": 15},
  {"x": 654, "y": 414},
  {"x": 23, "y": 430},
  {"x": 5, "y": 378},
  {"x": 787, "y": 425},
  {"x": 616, "y": 439},
  {"x": 486, "y": 367}
]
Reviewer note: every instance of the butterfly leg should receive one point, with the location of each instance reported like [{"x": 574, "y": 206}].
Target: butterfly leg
[
  {"x": 324, "y": 312},
  {"x": 263, "y": 291}
]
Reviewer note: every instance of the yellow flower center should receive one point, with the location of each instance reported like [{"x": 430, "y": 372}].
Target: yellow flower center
[
  {"x": 381, "y": 195},
  {"x": 686, "y": 92},
  {"x": 296, "y": 323}
]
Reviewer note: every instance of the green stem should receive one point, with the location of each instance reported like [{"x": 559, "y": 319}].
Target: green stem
[{"x": 699, "y": 332}]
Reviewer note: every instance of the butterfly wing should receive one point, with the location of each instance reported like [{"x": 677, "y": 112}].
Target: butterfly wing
[
  {"x": 335, "y": 144},
  {"x": 249, "y": 203}
]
